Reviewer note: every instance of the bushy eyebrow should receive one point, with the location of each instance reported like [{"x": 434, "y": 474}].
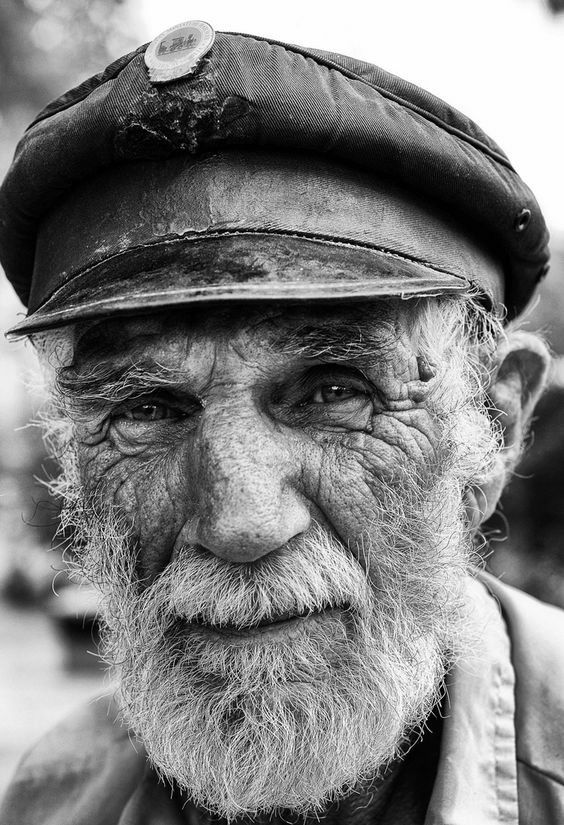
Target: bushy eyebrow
[
  {"x": 85, "y": 389},
  {"x": 102, "y": 377},
  {"x": 360, "y": 342}
]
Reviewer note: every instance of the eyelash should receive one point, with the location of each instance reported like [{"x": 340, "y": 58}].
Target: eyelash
[
  {"x": 169, "y": 412},
  {"x": 319, "y": 378},
  {"x": 301, "y": 396},
  {"x": 173, "y": 411}
]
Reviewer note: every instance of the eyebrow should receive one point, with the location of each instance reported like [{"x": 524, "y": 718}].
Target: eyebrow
[
  {"x": 360, "y": 341},
  {"x": 87, "y": 388},
  {"x": 99, "y": 378}
]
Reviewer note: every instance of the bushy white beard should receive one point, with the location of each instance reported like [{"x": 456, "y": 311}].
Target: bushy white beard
[
  {"x": 250, "y": 725},
  {"x": 266, "y": 724},
  {"x": 244, "y": 727}
]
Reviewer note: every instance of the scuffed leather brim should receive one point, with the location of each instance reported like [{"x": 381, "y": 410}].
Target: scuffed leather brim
[
  {"x": 240, "y": 225},
  {"x": 246, "y": 267},
  {"x": 254, "y": 93}
]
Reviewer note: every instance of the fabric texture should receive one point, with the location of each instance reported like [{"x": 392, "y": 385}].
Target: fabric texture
[
  {"x": 250, "y": 92},
  {"x": 242, "y": 226},
  {"x": 501, "y": 755}
]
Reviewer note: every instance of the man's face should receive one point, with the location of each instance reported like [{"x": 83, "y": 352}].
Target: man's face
[{"x": 272, "y": 500}]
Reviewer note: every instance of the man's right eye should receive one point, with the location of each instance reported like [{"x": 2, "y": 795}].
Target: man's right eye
[{"x": 150, "y": 411}]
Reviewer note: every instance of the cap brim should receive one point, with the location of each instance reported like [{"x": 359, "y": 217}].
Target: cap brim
[
  {"x": 244, "y": 226},
  {"x": 236, "y": 267}
]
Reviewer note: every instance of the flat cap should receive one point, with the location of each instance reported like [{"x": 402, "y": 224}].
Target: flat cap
[{"x": 268, "y": 171}]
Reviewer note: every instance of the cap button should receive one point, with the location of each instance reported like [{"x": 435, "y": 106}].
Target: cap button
[{"x": 522, "y": 220}]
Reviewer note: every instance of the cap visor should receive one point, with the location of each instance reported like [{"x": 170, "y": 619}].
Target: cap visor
[{"x": 236, "y": 267}]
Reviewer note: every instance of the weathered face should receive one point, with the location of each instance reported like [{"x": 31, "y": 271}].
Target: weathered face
[
  {"x": 288, "y": 491},
  {"x": 253, "y": 429}
]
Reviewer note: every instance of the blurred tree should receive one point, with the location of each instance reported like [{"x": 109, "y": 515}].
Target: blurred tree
[
  {"x": 547, "y": 313},
  {"x": 46, "y": 47}
]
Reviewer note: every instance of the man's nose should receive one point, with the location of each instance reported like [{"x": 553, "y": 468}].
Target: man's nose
[{"x": 248, "y": 501}]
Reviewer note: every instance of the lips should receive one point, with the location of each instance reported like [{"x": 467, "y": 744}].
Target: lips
[{"x": 271, "y": 621}]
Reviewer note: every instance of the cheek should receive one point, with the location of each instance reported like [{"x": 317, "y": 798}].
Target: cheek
[
  {"x": 149, "y": 492},
  {"x": 357, "y": 471},
  {"x": 347, "y": 488}
]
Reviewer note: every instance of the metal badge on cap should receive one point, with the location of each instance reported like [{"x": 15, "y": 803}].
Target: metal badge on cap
[{"x": 177, "y": 51}]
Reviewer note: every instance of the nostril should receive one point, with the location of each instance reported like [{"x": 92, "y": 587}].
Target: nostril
[{"x": 239, "y": 537}]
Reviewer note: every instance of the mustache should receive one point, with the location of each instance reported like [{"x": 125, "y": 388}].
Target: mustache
[{"x": 312, "y": 573}]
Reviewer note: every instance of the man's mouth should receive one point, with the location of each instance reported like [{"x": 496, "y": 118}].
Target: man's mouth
[{"x": 272, "y": 622}]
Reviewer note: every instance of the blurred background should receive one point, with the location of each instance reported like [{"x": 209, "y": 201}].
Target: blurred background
[{"x": 499, "y": 61}]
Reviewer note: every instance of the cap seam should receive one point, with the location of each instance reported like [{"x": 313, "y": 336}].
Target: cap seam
[
  {"x": 47, "y": 112},
  {"x": 327, "y": 62},
  {"x": 38, "y": 320}
]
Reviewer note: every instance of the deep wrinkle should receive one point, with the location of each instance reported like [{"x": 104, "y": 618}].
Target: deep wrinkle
[
  {"x": 134, "y": 369},
  {"x": 234, "y": 516},
  {"x": 231, "y": 409}
]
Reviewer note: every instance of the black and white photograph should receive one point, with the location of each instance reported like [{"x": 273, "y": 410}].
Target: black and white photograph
[{"x": 281, "y": 412}]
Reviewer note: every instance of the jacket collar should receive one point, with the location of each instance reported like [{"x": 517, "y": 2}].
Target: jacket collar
[{"x": 477, "y": 775}]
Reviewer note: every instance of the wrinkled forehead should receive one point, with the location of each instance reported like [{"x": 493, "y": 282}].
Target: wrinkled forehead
[{"x": 272, "y": 328}]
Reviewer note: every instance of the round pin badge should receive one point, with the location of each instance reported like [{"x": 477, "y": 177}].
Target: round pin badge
[{"x": 177, "y": 51}]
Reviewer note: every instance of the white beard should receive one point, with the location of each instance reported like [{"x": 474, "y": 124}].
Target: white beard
[{"x": 277, "y": 721}]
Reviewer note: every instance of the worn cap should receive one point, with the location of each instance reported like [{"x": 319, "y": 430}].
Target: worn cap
[{"x": 230, "y": 167}]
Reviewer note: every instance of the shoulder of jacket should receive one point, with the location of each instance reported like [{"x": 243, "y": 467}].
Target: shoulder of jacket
[
  {"x": 61, "y": 776},
  {"x": 79, "y": 739},
  {"x": 536, "y": 633}
]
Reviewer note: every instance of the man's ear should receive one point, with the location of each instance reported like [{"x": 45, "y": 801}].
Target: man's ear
[{"x": 519, "y": 377}]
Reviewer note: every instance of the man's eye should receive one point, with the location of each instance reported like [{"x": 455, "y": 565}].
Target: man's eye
[
  {"x": 333, "y": 393},
  {"x": 151, "y": 411}
]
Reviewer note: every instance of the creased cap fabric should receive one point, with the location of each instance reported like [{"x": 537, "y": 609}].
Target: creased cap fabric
[{"x": 258, "y": 99}]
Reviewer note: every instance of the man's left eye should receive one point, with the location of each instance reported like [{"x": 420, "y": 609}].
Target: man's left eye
[
  {"x": 151, "y": 411},
  {"x": 333, "y": 393}
]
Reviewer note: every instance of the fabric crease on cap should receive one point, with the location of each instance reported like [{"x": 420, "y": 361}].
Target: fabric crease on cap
[{"x": 257, "y": 95}]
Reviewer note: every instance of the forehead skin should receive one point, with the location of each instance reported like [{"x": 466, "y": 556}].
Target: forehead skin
[
  {"x": 256, "y": 444},
  {"x": 269, "y": 327}
]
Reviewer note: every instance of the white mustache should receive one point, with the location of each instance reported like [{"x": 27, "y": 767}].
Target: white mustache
[{"x": 311, "y": 574}]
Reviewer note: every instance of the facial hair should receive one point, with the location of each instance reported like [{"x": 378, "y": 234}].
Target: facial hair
[{"x": 249, "y": 722}]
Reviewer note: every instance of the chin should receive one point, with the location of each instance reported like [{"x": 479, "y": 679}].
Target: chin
[{"x": 284, "y": 718}]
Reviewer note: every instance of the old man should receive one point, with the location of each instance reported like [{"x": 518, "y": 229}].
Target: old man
[{"x": 270, "y": 288}]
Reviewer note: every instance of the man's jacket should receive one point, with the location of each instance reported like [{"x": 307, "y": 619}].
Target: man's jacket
[{"x": 501, "y": 757}]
